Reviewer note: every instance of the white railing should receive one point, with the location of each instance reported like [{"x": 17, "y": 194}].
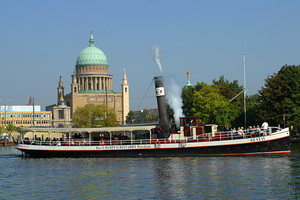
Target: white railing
[{"x": 229, "y": 135}]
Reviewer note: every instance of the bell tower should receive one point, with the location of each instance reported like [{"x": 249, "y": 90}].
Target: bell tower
[
  {"x": 74, "y": 85},
  {"x": 61, "y": 113},
  {"x": 125, "y": 97}
]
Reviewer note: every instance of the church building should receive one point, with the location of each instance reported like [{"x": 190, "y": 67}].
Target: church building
[{"x": 92, "y": 83}]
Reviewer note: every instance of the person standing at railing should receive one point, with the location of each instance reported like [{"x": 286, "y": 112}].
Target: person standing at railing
[
  {"x": 240, "y": 132},
  {"x": 250, "y": 131},
  {"x": 83, "y": 141},
  {"x": 257, "y": 131},
  {"x": 116, "y": 141},
  {"x": 264, "y": 127},
  {"x": 234, "y": 133},
  {"x": 102, "y": 142}
]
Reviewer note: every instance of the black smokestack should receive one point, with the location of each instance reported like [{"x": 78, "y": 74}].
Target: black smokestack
[{"x": 162, "y": 108}]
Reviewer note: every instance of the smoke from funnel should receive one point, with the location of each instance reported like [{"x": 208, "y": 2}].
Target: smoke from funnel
[
  {"x": 174, "y": 99},
  {"x": 157, "y": 58},
  {"x": 173, "y": 90}
]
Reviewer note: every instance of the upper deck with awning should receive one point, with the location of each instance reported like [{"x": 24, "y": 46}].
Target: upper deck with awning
[{"x": 90, "y": 130}]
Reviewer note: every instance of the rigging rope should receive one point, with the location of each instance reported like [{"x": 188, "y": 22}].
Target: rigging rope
[{"x": 142, "y": 99}]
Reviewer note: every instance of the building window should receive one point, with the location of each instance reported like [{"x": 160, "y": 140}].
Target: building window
[{"x": 61, "y": 114}]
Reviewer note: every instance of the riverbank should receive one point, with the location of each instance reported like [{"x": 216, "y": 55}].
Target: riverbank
[{"x": 9, "y": 143}]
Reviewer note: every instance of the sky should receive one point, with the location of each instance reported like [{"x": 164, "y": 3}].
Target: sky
[{"x": 40, "y": 40}]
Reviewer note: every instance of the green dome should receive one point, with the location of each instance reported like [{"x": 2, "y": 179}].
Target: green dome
[{"x": 91, "y": 55}]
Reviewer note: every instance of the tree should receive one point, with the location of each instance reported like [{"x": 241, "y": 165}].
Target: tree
[
  {"x": 170, "y": 113},
  {"x": 212, "y": 107},
  {"x": 92, "y": 115},
  {"x": 280, "y": 97},
  {"x": 252, "y": 108},
  {"x": 21, "y": 131},
  {"x": 2, "y": 130},
  {"x": 271, "y": 97},
  {"x": 11, "y": 128},
  {"x": 187, "y": 100},
  {"x": 232, "y": 92},
  {"x": 229, "y": 89},
  {"x": 146, "y": 116},
  {"x": 142, "y": 116},
  {"x": 130, "y": 118}
]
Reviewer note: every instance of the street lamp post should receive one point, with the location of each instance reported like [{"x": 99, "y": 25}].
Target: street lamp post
[
  {"x": 5, "y": 115},
  {"x": 2, "y": 117}
]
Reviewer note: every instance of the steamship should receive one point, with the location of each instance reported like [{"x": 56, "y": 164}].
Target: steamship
[{"x": 192, "y": 139}]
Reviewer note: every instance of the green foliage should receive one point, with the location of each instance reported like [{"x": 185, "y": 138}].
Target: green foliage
[
  {"x": 232, "y": 92},
  {"x": 281, "y": 96},
  {"x": 187, "y": 100},
  {"x": 252, "y": 107},
  {"x": 146, "y": 116},
  {"x": 22, "y": 132},
  {"x": 92, "y": 115},
  {"x": 220, "y": 103},
  {"x": 11, "y": 128},
  {"x": 2, "y": 130},
  {"x": 130, "y": 118},
  {"x": 229, "y": 89},
  {"x": 170, "y": 113},
  {"x": 211, "y": 106},
  {"x": 272, "y": 96}
]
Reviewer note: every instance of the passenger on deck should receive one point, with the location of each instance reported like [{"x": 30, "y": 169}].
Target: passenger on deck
[
  {"x": 257, "y": 131},
  {"x": 116, "y": 141},
  {"x": 240, "y": 132},
  {"x": 229, "y": 134},
  {"x": 26, "y": 140},
  {"x": 234, "y": 133},
  {"x": 264, "y": 127},
  {"x": 72, "y": 142},
  {"x": 83, "y": 141},
  {"x": 102, "y": 142},
  {"x": 252, "y": 131}
]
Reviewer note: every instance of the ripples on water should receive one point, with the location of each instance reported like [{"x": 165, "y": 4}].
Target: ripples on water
[{"x": 250, "y": 177}]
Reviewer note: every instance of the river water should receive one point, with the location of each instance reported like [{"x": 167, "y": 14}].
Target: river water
[{"x": 247, "y": 177}]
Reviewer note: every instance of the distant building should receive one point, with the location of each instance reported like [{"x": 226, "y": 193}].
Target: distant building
[
  {"x": 91, "y": 83},
  {"x": 61, "y": 113},
  {"x": 24, "y": 115}
]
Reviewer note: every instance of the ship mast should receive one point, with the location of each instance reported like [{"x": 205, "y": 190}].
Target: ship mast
[{"x": 245, "y": 90}]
